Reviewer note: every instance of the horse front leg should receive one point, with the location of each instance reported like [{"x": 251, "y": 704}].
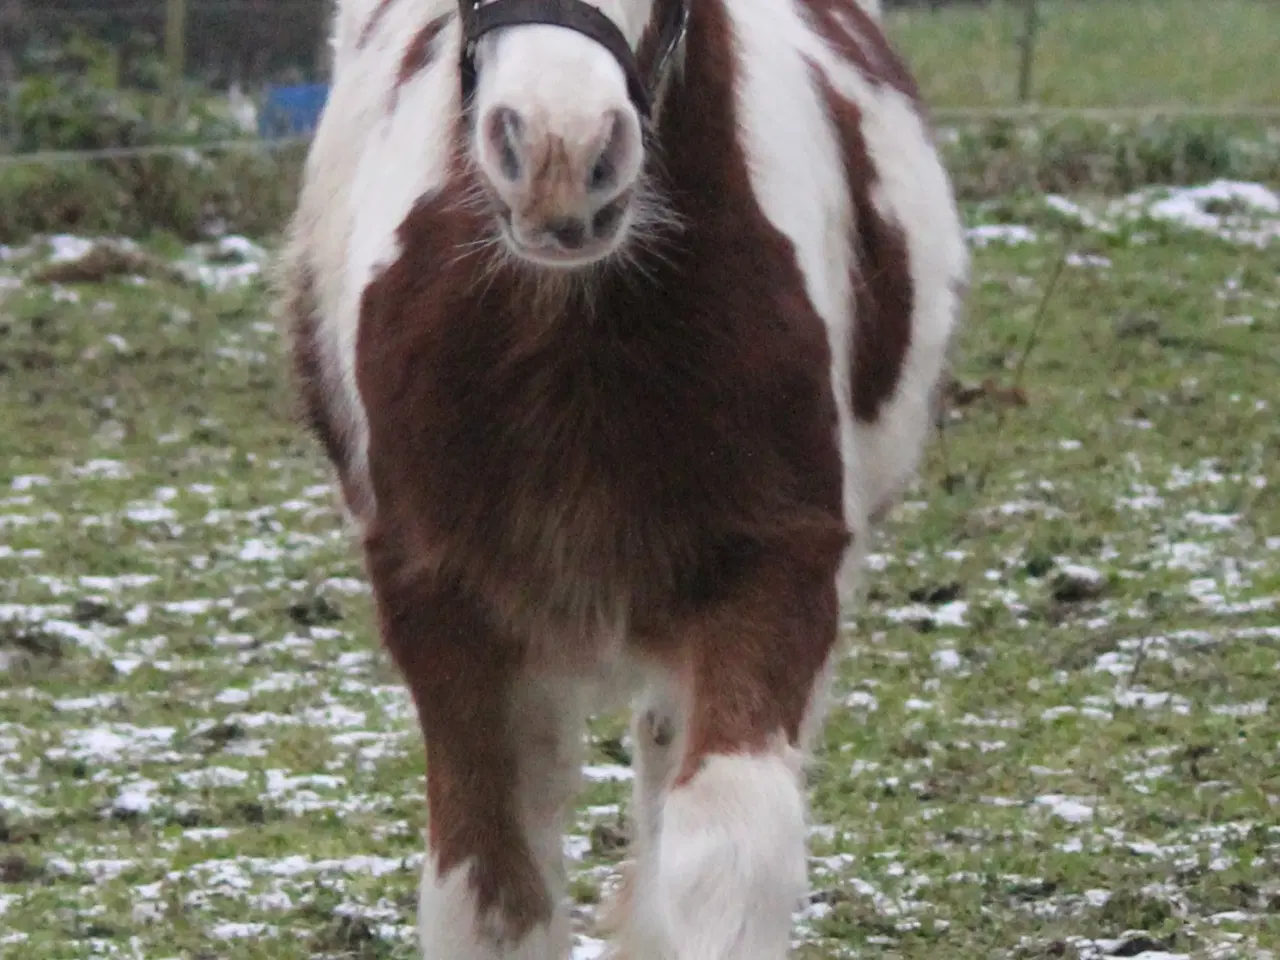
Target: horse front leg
[
  {"x": 503, "y": 760},
  {"x": 720, "y": 806}
]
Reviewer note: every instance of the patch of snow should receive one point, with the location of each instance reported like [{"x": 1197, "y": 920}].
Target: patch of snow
[
  {"x": 136, "y": 797},
  {"x": 1215, "y": 521},
  {"x": 116, "y": 742},
  {"x": 231, "y": 262},
  {"x": 149, "y": 513},
  {"x": 107, "y": 469},
  {"x": 207, "y": 777},
  {"x": 101, "y": 869},
  {"x": 1082, "y": 574},
  {"x": 1254, "y": 219},
  {"x": 1087, "y": 260},
  {"x": 1070, "y": 809},
  {"x": 1189, "y": 556},
  {"x": 67, "y": 249},
  {"x": 1255, "y": 708},
  {"x": 281, "y": 781},
  {"x": 947, "y": 615},
  {"x": 91, "y": 638},
  {"x": 947, "y": 659},
  {"x": 256, "y": 550},
  {"x": 1075, "y": 211},
  {"x": 97, "y": 701},
  {"x": 241, "y": 931},
  {"x": 125, "y": 581},
  {"x": 862, "y": 700},
  {"x": 1009, "y": 234},
  {"x": 1188, "y": 207}
]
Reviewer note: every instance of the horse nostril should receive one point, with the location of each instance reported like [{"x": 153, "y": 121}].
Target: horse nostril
[
  {"x": 569, "y": 232},
  {"x": 607, "y": 218},
  {"x": 504, "y": 129},
  {"x": 604, "y": 171}
]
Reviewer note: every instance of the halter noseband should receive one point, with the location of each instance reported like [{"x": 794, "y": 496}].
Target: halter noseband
[{"x": 479, "y": 17}]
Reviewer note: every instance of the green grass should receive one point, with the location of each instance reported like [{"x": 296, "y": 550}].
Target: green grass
[
  {"x": 1021, "y": 754},
  {"x": 1098, "y": 53}
]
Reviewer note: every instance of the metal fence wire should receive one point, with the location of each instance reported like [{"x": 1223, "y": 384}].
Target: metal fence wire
[{"x": 286, "y": 111}]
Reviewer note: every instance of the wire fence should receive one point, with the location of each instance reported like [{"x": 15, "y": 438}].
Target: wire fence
[
  {"x": 170, "y": 25},
  {"x": 193, "y": 151}
]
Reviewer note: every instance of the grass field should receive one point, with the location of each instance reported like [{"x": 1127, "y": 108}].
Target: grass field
[
  {"x": 1098, "y": 53},
  {"x": 1057, "y": 733}
]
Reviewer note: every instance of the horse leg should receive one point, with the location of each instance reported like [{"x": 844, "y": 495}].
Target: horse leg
[
  {"x": 722, "y": 857},
  {"x": 657, "y": 724},
  {"x": 503, "y": 759}
]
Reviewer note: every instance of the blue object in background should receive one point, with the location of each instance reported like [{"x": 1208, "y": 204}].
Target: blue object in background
[{"x": 292, "y": 111}]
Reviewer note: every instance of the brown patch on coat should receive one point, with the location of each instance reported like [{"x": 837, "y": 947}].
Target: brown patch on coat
[
  {"x": 372, "y": 24},
  {"x": 647, "y": 454},
  {"x": 420, "y": 53},
  {"x": 753, "y": 659},
  {"x": 854, "y": 34},
  {"x": 883, "y": 290}
]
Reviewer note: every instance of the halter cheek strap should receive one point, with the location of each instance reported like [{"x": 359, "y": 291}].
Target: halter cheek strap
[{"x": 479, "y": 18}]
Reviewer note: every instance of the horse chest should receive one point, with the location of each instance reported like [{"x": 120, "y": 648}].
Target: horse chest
[
  {"x": 623, "y": 461},
  {"x": 581, "y": 438},
  {"x": 590, "y": 483}
]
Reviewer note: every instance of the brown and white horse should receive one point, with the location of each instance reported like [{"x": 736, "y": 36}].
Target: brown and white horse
[{"x": 621, "y": 322}]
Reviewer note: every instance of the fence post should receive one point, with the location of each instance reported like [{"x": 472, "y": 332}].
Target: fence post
[
  {"x": 175, "y": 53},
  {"x": 11, "y": 26},
  {"x": 1030, "y": 24}
]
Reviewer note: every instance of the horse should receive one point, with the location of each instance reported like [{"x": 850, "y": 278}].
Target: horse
[{"x": 622, "y": 324}]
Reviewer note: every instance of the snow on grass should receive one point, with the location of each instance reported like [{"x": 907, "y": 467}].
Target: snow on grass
[
  {"x": 1055, "y": 725},
  {"x": 1246, "y": 214},
  {"x": 1000, "y": 233}
]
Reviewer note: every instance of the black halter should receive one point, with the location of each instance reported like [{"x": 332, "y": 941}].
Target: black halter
[{"x": 478, "y": 18}]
